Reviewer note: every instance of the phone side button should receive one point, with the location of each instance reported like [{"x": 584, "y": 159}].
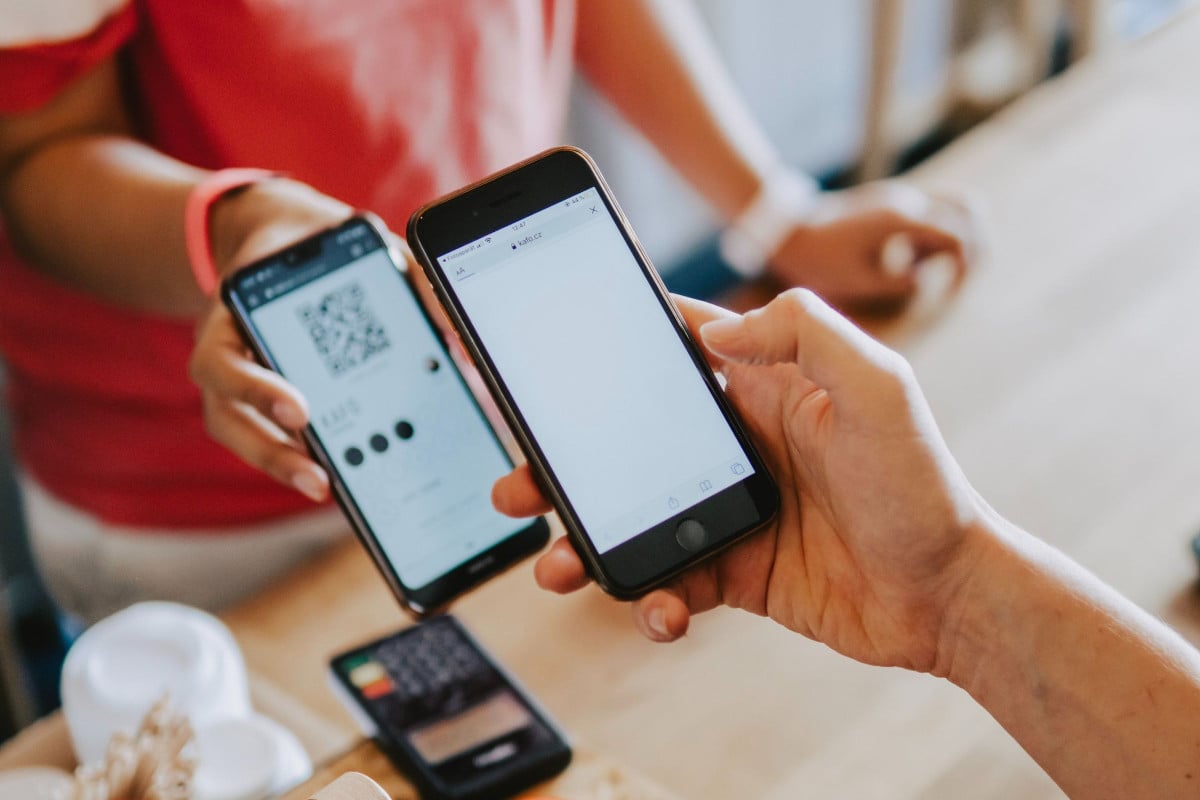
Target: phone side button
[{"x": 691, "y": 535}]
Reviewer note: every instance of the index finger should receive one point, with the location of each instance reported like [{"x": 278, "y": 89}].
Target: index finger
[{"x": 797, "y": 327}]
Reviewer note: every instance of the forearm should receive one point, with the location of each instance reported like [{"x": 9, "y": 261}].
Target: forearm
[
  {"x": 1103, "y": 696},
  {"x": 88, "y": 205},
  {"x": 653, "y": 61},
  {"x": 104, "y": 213}
]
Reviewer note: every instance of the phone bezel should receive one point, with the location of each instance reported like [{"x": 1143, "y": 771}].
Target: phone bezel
[
  {"x": 650, "y": 557},
  {"x": 437, "y": 594},
  {"x": 510, "y": 779}
]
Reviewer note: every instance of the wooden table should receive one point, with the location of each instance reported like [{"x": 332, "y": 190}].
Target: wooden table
[{"x": 1066, "y": 378}]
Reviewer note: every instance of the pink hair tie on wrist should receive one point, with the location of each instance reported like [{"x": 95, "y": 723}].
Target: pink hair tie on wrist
[{"x": 196, "y": 218}]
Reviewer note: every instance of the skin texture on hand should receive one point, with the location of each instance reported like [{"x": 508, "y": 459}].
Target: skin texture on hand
[{"x": 868, "y": 573}]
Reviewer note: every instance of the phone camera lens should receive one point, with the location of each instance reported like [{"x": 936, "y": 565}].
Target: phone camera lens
[
  {"x": 404, "y": 429},
  {"x": 354, "y": 456},
  {"x": 379, "y": 443}
]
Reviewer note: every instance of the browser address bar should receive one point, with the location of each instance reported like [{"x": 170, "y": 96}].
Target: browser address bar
[{"x": 532, "y": 235}]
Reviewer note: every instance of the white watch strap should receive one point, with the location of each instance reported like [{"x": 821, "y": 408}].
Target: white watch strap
[{"x": 784, "y": 200}]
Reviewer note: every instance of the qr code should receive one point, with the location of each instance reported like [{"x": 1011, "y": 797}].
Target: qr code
[{"x": 343, "y": 328}]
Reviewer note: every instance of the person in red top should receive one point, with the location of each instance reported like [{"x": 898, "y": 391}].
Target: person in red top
[{"x": 140, "y": 483}]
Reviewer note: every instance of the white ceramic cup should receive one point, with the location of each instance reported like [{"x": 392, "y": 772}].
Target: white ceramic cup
[{"x": 125, "y": 663}]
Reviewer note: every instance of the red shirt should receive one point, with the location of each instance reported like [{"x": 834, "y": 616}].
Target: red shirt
[{"x": 380, "y": 103}]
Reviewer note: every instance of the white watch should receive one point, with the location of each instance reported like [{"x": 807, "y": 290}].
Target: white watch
[{"x": 784, "y": 200}]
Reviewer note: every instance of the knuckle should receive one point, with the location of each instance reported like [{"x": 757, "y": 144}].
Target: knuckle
[
  {"x": 798, "y": 303},
  {"x": 896, "y": 371},
  {"x": 799, "y": 297}
]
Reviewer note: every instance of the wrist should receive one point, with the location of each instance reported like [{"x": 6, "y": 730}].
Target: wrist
[
  {"x": 782, "y": 203},
  {"x": 197, "y": 219},
  {"x": 265, "y": 216},
  {"x": 232, "y": 219},
  {"x": 999, "y": 573},
  {"x": 237, "y": 217}
]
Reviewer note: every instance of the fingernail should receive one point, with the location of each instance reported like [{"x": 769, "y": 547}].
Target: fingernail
[
  {"x": 287, "y": 415},
  {"x": 721, "y": 330},
  {"x": 309, "y": 485},
  {"x": 656, "y": 620}
]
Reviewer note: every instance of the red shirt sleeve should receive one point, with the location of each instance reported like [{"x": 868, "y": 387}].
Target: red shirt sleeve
[{"x": 32, "y": 75}]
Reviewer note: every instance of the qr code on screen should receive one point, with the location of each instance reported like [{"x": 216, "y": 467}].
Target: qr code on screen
[{"x": 343, "y": 328}]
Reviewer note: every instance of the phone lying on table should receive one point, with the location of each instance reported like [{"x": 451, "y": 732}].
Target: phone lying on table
[
  {"x": 624, "y": 423},
  {"x": 447, "y": 715},
  {"x": 410, "y": 454}
]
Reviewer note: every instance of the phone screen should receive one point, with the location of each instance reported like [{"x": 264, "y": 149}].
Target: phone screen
[
  {"x": 409, "y": 443},
  {"x": 607, "y": 388}
]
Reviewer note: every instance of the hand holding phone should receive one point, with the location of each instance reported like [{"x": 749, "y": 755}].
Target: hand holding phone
[
  {"x": 619, "y": 415},
  {"x": 409, "y": 452},
  {"x": 878, "y": 530},
  {"x": 249, "y": 409}
]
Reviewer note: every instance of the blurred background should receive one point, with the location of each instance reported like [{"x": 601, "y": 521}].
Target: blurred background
[
  {"x": 848, "y": 91},
  {"x": 853, "y": 90}
]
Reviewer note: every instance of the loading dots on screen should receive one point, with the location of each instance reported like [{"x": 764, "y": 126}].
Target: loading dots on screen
[
  {"x": 403, "y": 429},
  {"x": 355, "y": 456}
]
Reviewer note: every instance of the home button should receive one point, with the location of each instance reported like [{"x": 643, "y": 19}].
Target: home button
[{"x": 691, "y": 535}]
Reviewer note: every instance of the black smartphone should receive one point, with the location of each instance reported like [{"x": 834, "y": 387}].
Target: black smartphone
[
  {"x": 410, "y": 454},
  {"x": 623, "y": 421},
  {"x": 447, "y": 714}
]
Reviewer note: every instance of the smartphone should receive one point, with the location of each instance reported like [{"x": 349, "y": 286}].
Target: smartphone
[
  {"x": 449, "y": 717},
  {"x": 624, "y": 423},
  {"x": 410, "y": 454}
]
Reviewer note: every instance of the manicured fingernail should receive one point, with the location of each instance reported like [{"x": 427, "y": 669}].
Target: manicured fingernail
[
  {"x": 309, "y": 485},
  {"x": 287, "y": 415},
  {"x": 656, "y": 620}
]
